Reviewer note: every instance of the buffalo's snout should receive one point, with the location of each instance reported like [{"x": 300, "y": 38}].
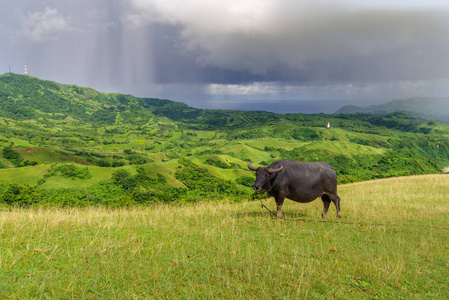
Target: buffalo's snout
[{"x": 257, "y": 187}]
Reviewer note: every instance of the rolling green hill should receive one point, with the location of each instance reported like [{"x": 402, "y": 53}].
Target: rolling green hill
[{"x": 69, "y": 145}]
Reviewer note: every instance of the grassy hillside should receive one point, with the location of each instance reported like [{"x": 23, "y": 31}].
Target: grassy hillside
[
  {"x": 69, "y": 145},
  {"x": 391, "y": 244}
]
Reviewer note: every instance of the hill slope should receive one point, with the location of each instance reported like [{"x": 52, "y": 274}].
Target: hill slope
[
  {"x": 435, "y": 109},
  {"x": 74, "y": 145}
]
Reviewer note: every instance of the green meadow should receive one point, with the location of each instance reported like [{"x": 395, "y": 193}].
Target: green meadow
[{"x": 392, "y": 243}]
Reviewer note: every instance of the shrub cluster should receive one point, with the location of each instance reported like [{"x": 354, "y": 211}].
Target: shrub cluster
[
  {"x": 68, "y": 171},
  {"x": 201, "y": 183}
]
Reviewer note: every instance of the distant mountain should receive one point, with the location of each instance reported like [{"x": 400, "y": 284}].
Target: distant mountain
[{"x": 435, "y": 109}]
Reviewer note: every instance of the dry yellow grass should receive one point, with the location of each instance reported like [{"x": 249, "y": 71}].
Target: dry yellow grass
[{"x": 398, "y": 199}]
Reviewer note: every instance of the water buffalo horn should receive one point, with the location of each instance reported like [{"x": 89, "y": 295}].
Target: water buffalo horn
[
  {"x": 251, "y": 167},
  {"x": 276, "y": 170}
]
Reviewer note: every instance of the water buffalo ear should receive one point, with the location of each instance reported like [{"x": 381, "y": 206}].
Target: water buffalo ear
[
  {"x": 276, "y": 170},
  {"x": 251, "y": 167}
]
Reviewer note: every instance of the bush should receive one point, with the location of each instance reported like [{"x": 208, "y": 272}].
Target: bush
[
  {"x": 117, "y": 164},
  {"x": 69, "y": 171},
  {"x": 124, "y": 179},
  {"x": 103, "y": 163},
  {"x": 13, "y": 156},
  {"x": 16, "y": 195},
  {"x": 245, "y": 180},
  {"x": 217, "y": 163},
  {"x": 202, "y": 183},
  {"x": 306, "y": 134},
  {"x": 137, "y": 160}
]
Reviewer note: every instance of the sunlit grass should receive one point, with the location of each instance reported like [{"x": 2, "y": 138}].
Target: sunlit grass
[
  {"x": 24, "y": 175},
  {"x": 387, "y": 246}
]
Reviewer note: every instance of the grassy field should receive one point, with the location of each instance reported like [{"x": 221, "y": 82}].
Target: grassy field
[{"x": 392, "y": 243}]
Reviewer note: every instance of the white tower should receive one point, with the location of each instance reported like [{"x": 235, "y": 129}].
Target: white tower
[{"x": 26, "y": 71}]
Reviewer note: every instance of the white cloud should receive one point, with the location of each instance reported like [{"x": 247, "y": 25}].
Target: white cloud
[
  {"x": 42, "y": 25},
  {"x": 352, "y": 91},
  {"x": 264, "y": 88}
]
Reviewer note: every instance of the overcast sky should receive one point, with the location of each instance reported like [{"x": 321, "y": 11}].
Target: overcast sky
[{"x": 276, "y": 55}]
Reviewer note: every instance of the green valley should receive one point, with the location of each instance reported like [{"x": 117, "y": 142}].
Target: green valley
[{"x": 65, "y": 145}]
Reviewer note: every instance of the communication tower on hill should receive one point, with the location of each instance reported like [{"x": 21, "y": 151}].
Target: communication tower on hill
[{"x": 26, "y": 71}]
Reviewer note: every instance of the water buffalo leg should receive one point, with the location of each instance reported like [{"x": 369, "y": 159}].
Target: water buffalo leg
[
  {"x": 279, "y": 202},
  {"x": 326, "y": 202},
  {"x": 336, "y": 201}
]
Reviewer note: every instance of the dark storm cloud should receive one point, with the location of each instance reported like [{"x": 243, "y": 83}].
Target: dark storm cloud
[
  {"x": 228, "y": 50},
  {"x": 347, "y": 46}
]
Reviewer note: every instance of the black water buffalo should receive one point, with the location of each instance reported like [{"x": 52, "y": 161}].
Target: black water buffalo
[{"x": 299, "y": 181}]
